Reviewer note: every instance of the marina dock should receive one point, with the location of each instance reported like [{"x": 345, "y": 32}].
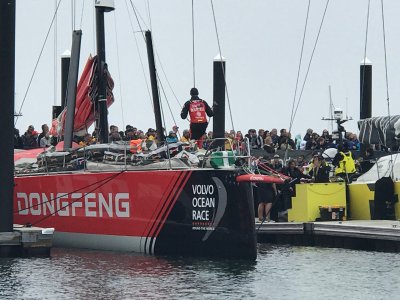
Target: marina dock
[
  {"x": 372, "y": 235},
  {"x": 26, "y": 241}
]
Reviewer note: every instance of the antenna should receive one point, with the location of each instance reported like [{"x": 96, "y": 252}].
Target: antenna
[
  {"x": 330, "y": 107},
  {"x": 338, "y": 118}
]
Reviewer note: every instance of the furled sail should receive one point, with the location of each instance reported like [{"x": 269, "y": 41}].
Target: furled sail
[
  {"x": 85, "y": 110},
  {"x": 380, "y": 130}
]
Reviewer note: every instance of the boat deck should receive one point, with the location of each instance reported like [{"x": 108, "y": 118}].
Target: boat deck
[{"x": 376, "y": 235}]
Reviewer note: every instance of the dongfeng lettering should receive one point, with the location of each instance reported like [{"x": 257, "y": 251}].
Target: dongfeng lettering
[{"x": 74, "y": 204}]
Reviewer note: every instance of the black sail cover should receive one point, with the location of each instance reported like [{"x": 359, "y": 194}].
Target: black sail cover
[{"x": 380, "y": 130}]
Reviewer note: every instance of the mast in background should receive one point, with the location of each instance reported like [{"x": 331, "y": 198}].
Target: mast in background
[
  {"x": 365, "y": 89},
  {"x": 365, "y": 94},
  {"x": 7, "y": 87},
  {"x": 71, "y": 89},
  {"x": 154, "y": 87},
  {"x": 219, "y": 96},
  {"x": 65, "y": 61},
  {"x": 102, "y": 6}
]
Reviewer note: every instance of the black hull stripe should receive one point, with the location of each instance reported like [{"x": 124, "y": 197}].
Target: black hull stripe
[
  {"x": 164, "y": 203},
  {"x": 171, "y": 203}
]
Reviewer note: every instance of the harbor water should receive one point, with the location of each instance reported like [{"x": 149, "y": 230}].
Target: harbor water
[{"x": 280, "y": 272}]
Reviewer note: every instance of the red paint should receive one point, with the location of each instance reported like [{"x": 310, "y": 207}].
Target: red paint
[
  {"x": 259, "y": 178},
  {"x": 151, "y": 197}
]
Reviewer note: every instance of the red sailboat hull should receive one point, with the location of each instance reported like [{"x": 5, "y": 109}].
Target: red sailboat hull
[{"x": 196, "y": 212}]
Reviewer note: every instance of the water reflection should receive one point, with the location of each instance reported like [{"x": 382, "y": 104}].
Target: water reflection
[{"x": 279, "y": 272}]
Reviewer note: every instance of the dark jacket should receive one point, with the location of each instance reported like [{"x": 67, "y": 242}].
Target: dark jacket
[{"x": 321, "y": 174}]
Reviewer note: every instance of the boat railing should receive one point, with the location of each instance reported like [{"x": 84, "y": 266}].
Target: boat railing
[{"x": 212, "y": 153}]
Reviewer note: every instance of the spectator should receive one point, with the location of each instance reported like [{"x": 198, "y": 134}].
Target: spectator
[
  {"x": 128, "y": 128},
  {"x": 252, "y": 136},
  {"x": 276, "y": 163},
  {"x": 321, "y": 144},
  {"x": 286, "y": 142},
  {"x": 294, "y": 172},
  {"x": 312, "y": 142},
  {"x": 269, "y": 146},
  {"x": 18, "y": 141},
  {"x": 260, "y": 139},
  {"x": 308, "y": 134},
  {"x": 185, "y": 136},
  {"x": 274, "y": 136},
  {"x": 282, "y": 138},
  {"x": 229, "y": 141},
  {"x": 266, "y": 195},
  {"x": 45, "y": 141},
  {"x": 45, "y": 129},
  {"x": 301, "y": 163},
  {"x": 30, "y": 138},
  {"x": 114, "y": 134},
  {"x": 87, "y": 140},
  {"x": 326, "y": 136},
  {"x": 319, "y": 170},
  {"x": 175, "y": 129},
  {"x": 171, "y": 138}
]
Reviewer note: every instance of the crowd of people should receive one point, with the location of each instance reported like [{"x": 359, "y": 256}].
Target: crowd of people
[{"x": 270, "y": 141}]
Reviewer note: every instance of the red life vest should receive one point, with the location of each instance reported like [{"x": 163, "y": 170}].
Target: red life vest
[{"x": 197, "y": 111}]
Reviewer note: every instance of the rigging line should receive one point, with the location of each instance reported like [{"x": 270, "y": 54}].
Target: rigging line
[
  {"x": 37, "y": 62},
  {"x": 160, "y": 63},
  {"x": 299, "y": 68},
  {"x": 119, "y": 69},
  {"x": 222, "y": 66},
  {"x": 162, "y": 69},
  {"x": 365, "y": 50},
  {"x": 73, "y": 5},
  {"x": 137, "y": 15},
  {"x": 311, "y": 58},
  {"x": 166, "y": 78},
  {"x": 138, "y": 51},
  {"x": 387, "y": 80},
  {"x": 166, "y": 100},
  {"x": 163, "y": 121},
  {"x": 82, "y": 10},
  {"x": 149, "y": 15},
  {"x": 94, "y": 26},
  {"x": 55, "y": 57},
  {"x": 386, "y": 64},
  {"x": 75, "y": 200},
  {"x": 193, "y": 44}
]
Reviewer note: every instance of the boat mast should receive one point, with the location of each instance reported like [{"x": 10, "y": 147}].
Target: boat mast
[
  {"x": 71, "y": 89},
  {"x": 154, "y": 87},
  {"x": 219, "y": 97},
  {"x": 365, "y": 89},
  {"x": 65, "y": 61},
  {"x": 7, "y": 82},
  {"x": 365, "y": 94},
  {"x": 102, "y": 6}
]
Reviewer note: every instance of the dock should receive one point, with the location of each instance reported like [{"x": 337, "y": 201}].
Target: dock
[
  {"x": 372, "y": 235},
  {"x": 26, "y": 242}
]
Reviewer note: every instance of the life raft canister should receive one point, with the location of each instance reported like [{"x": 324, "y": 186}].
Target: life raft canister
[
  {"x": 136, "y": 146},
  {"x": 346, "y": 165},
  {"x": 197, "y": 111}
]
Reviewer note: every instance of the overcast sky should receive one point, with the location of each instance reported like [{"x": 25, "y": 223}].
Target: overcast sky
[{"x": 261, "y": 40}]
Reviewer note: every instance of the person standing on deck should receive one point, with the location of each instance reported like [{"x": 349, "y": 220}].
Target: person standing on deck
[
  {"x": 344, "y": 162},
  {"x": 198, "y": 110}
]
